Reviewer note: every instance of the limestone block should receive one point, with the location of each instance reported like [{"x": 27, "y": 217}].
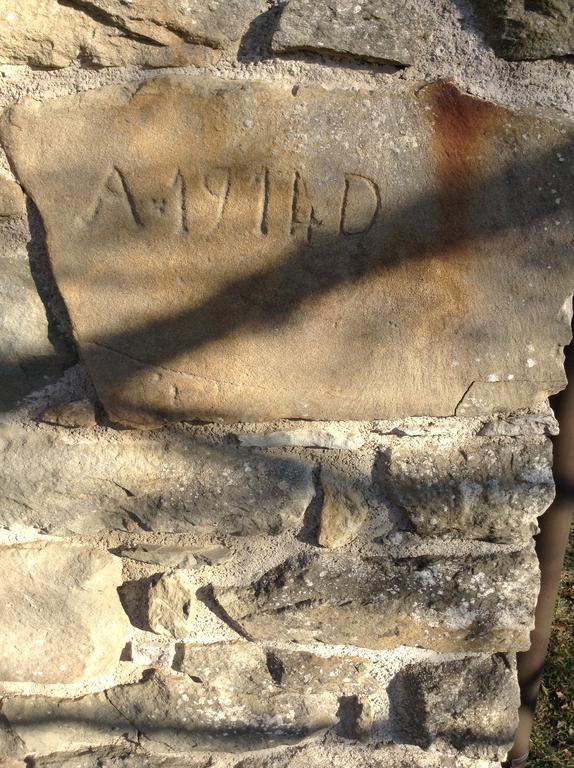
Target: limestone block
[
  {"x": 175, "y": 610},
  {"x": 337, "y": 754},
  {"x": 528, "y": 29},
  {"x": 272, "y": 252},
  {"x": 58, "y": 482},
  {"x": 482, "y": 603},
  {"x": 61, "y": 616},
  {"x": 373, "y": 30},
  {"x": 12, "y": 200},
  {"x": 341, "y": 437},
  {"x": 28, "y": 360},
  {"x": 152, "y": 33},
  {"x": 484, "y": 488},
  {"x": 50, "y": 724},
  {"x": 471, "y": 708},
  {"x": 242, "y": 698},
  {"x": 343, "y": 511},
  {"x": 79, "y": 413},
  {"x": 174, "y": 556}
]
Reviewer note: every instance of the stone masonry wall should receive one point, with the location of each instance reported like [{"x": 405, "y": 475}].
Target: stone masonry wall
[{"x": 285, "y": 291}]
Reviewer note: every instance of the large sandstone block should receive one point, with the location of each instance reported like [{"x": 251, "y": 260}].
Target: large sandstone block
[
  {"x": 482, "y": 603},
  {"x": 272, "y": 251},
  {"x": 489, "y": 488},
  {"x": 528, "y": 29},
  {"x": 59, "y": 483},
  {"x": 61, "y": 616},
  {"x": 239, "y": 697},
  {"x": 156, "y": 33}
]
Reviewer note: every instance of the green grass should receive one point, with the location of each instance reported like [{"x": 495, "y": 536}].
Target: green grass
[{"x": 552, "y": 744}]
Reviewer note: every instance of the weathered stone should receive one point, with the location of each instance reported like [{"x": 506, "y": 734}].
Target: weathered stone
[
  {"x": 28, "y": 360},
  {"x": 49, "y": 724},
  {"x": 482, "y": 488},
  {"x": 128, "y": 756},
  {"x": 79, "y": 413},
  {"x": 481, "y": 603},
  {"x": 343, "y": 511},
  {"x": 241, "y": 697},
  {"x": 528, "y": 29},
  {"x": 12, "y": 200},
  {"x": 336, "y": 436},
  {"x": 61, "y": 617},
  {"x": 296, "y": 280},
  {"x": 60, "y": 483},
  {"x": 520, "y": 426},
  {"x": 340, "y": 753},
  {"x": 469, "y": 705},
  {"x": 174, "y": 557},
  {"x": 175, "y": 610},
  {"x": 374, "y": 30},
  {"x": 152, "y": 653},
  {"x": 156, "y": 33},
  {"x": 215, "y": 23}
]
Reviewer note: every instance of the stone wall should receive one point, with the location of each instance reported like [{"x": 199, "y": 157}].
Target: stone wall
[{"x": 286, "y": 289}]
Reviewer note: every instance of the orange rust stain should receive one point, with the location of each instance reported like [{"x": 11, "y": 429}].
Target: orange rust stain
[{"x": 461, "y": 127}]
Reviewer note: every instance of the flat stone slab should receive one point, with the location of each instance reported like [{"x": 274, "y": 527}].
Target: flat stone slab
[
  {"x": 169, "y": 482},
  {"x": 237, "y": 698},
  {"x": 482, "y": 603},
  {"x": 62, "y": 620},
  {"x": 274, "y": 252},
  {"x": 372, "y": 30}
]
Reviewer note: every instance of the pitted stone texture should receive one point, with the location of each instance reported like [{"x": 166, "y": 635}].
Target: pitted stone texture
[
  {"x": 492, "y": 489},
  {"x": 333, "y": 754},
  {"x": 374, "y": 30},
  {"x": 172, "y": 482},
  {"x": 528, "y": 29},
  {"x": 468, "y": 707},
  {"x": 343, "y": 512},
  {"x": 151, "y": 33},
  {"x": 483, "y": 603},
  {"x": 291, "y": 278},
  {"x": 241, "y": 697},
  {"x": 76, "y": 414},
  {"x": 61, "y": 616}
]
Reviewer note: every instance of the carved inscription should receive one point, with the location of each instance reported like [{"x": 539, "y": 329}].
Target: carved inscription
[{"x": 200, "y": 202}]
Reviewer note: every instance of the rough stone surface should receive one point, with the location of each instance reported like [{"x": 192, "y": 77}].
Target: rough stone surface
[
  {"x": 61, "y": 617},
  {"x": 343, "y": 511},
  {"x": 173, "y": 556},
  {"x": 80, "y": 413},
  {"x": 276, "y": 697},
  {"x": 29, "y": 358},
  {"x": 153, "y": 33},
  {"x": 374, "y": 30},
  {"x": 490, "y": 488},
  {"x": 528, "y": 29},
  {"x": 170, "y": 482},
  {"x": 335, "y": 437},
  {"x": 455, "y": 699},
  {"x": 445, "y": 604},
  {"x": 176, "y": 610},
  {"x": 295, "y": 281},
  {"x": 332, "y": 754},
  {"x": 12, "y": 200}
]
